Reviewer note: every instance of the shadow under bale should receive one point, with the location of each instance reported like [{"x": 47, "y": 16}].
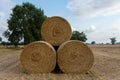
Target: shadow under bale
[{"x": 57, "y": 69}]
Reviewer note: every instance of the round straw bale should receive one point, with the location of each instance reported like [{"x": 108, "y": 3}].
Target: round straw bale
[
  {"x": 75, "y": 57},
  {"x": 38, "y": 57},
  {"x": 56, "y": 30}
]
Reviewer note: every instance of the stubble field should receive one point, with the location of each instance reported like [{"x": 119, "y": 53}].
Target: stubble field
[{"x": 106, "y": 66}]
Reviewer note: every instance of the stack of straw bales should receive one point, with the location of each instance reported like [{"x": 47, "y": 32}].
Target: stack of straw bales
[{"x": 72, "y": 56}]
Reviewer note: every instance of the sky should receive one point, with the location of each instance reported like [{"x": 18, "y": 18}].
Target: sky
[{"x": 98, "y": 19}]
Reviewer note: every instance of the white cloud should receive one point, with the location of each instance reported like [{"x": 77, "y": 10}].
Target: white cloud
[
  {"x": 3, "y": 25},
  {"x": 6, "y": 4},
  {"x": 2, "y": 14},
  {"x": 73, "y": 29},
  {"x": 91, "y": 29},
  {"x": 5, "y": 10},
  {"x": 103, "y": 34},
  {"x": 115, "y": 29},
  {"x": 100, "y": 36},
  {"x": 94, "y": 8}
]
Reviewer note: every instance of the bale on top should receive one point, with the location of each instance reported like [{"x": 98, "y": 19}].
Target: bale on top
[
  {"x": 75, "y": 57},
  {"x": 38, "y": 57},
  {"x": 56, "y": 30}
]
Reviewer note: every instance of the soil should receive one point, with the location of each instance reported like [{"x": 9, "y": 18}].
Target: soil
[{"x": 106, "y": 66}]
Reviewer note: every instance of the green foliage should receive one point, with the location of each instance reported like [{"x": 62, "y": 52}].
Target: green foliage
[
  {"x": 0, "y": 39},
  {"x": 76, "y": 35},
  {"x": 5, "y": 43},
  {"x": 93, "y": 42},
  {"x": 113, "y": 40},
  {"x": 25, "y": 24}
]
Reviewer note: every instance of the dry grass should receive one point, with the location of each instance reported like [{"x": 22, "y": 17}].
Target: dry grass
[
  {"x": 6, "y": 51},
  {"x": 107, "y": 61}
]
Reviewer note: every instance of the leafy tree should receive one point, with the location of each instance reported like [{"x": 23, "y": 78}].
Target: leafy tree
[
  {"x": 25, "y": 24},
  {"x": 0, "y": 39},
  {"x": 4, "y": 43},
  {"x": 113, "y": 40},
  {"x": 76, "y": 35},
  {"x": 93, "y": 42}
]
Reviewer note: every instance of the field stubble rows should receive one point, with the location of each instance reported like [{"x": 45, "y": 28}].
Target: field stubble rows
[{"x": 106, "y": 66}]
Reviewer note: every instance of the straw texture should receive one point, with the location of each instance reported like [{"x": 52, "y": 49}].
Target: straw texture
[
  {"x": 38, "y": 57},
  {"x": 75, "y": 57},
  {"x": 56, "y": 30}
]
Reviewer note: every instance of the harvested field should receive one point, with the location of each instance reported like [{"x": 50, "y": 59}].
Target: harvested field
[{"x": 106, "y": 66}]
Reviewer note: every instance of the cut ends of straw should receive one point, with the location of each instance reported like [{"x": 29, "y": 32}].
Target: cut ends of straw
[
  {"x": 75, "y": 57},
  {"x": 38, "y": 57},
  {"x": 56, "y": 30}
]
